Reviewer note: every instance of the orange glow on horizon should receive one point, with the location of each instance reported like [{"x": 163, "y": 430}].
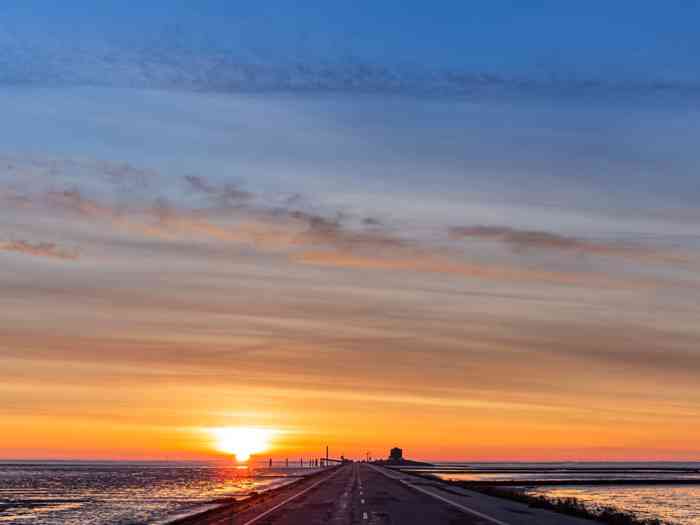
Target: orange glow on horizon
[{"x": 242, "y": 442}]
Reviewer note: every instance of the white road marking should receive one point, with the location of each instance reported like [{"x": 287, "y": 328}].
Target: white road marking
[
  {"x": 362, "y": 501},
  {"x": 457, "y": 505},
  {"x": 364, "y": 515},
  {"x": 463, "y": 508}
]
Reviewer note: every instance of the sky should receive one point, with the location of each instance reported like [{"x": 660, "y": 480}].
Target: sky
[
  {"x": 624, "y": 41},
  {"x": 495, "y": 272}
]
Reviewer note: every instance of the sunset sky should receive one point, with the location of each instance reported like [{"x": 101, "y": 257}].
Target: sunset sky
[{"x": 509, "y": 271}]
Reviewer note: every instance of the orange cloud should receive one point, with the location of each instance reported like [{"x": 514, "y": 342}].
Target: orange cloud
[
  {"x": 42, "y": 249},
  {"x": 423, "y": 262}
]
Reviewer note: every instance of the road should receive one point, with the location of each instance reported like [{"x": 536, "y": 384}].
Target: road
[{"x": 360, "y": 494}]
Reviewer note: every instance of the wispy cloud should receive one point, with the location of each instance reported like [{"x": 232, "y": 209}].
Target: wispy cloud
[
  {"x": 309, "y": 233},
  {"x": 41, "y": 249},
  {"x": 35, "y": 167},
  {"x": 73, "y": 200},
  {"x": 226, "y": 194},
  {"x": 427, "y": 262},
  {"x": 228, "y": 214},
  {"x": 524, "y": 239}
]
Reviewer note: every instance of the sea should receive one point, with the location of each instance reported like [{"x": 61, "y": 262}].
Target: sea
[
  {"x": 673, "y": 503},
  {"x": 121, "y": 493}
]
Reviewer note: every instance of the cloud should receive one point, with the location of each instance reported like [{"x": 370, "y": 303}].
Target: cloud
[
  {"x": 227, "y": 194},
  {"x": 73, "y": 200},
  {"x": 119, "y": 174},
  {"x": 427, "y": 262},
  {"x": 308, "y": 232},
  {"x": 42, "y": 249},
  {"x": 312, "y": 238},
  {"x": 522, "y": 239},
  {"x": 229, "y": 214},
  {"x": 321, "y": 230}
]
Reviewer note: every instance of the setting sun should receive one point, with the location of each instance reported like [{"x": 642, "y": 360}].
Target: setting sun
[{"x": 242, "y": 442}]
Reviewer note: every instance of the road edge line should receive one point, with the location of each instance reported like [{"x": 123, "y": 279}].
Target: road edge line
[
  {"x": 281, "y": 504},
  {"x": 459, "y": 506}
]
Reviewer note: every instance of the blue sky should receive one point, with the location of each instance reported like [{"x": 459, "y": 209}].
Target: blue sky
[{"x": 620, "y": 40}]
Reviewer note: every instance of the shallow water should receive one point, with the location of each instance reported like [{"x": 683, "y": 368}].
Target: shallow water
[
  {"x": 122, "y": 493},
  {"x": 519, "y": 472},
  {"x": 519, "y": 477},
  {"x": 677, "y": 504}
]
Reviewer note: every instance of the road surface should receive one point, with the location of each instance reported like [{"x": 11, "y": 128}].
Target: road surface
[{"x": 361, "y": 494}]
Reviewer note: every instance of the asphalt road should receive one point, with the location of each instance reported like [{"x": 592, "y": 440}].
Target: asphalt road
[
  {"x": 360, "y": 494},
  {"x": 353, "y": 494}
]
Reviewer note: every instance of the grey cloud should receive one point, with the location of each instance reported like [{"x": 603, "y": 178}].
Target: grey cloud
[
  {"x": 332, "y": 231},
  {"x": 163, "y": 210},
  {"x": 121, "y": 174},
  {"x": 226, "y": 194},
  {"x": 287, "y": 224},
  {"x": 524, "y": 239},
  {"x": 75, "y": 201}
]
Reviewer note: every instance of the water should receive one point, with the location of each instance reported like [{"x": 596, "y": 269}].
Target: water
[
  {"x": 551, "y": 472},
  {"x": 119, "y": 493},
  {"x": 673, "y": 503}
]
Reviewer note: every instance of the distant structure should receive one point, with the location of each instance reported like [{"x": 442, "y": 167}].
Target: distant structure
[{"x": 396, "y": 459}]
